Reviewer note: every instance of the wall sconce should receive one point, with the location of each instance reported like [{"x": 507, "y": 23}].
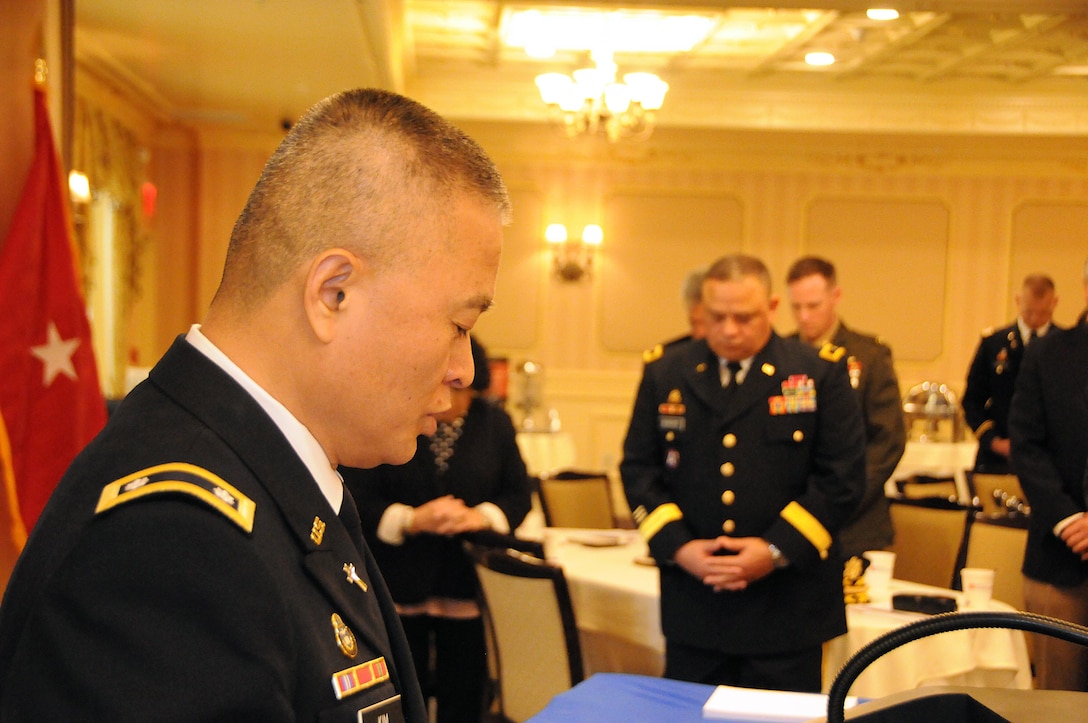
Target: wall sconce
[
  {"x": 79, "y": 187},
  {"x": 573, "y": 258}
]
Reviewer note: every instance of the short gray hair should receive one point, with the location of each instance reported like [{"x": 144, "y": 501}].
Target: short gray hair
[
  {"x": 356, "y": 171},
  {"x": 738, "y": 266},
  {"x": 691, "y": 292}
]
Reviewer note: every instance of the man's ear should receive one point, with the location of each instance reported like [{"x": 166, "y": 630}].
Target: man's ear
[{"x": 333, "y": 276}]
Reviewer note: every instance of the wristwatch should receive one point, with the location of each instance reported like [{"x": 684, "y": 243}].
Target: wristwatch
[{"x": 777, "y": 558}]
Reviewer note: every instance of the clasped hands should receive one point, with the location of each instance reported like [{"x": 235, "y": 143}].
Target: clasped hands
[
  {"x": 1075, "y": 536},
  {"x": 748, "y": 560},
  {"x": 447, "y": 515}
]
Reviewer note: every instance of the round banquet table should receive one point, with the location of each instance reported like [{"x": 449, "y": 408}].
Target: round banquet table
[{"x": 615, "y": 596}]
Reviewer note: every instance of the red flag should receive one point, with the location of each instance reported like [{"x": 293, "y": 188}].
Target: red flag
[{"x": 49, "y": 395}]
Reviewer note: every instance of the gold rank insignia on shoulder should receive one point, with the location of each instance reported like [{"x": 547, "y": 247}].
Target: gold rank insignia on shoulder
[
  {"x": 181, "y": 478},
  {"x": 653, "y": 354},
  {"x": 832, "y": 353}
]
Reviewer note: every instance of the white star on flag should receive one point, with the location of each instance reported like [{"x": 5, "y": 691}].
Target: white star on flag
[{"x": 56, "y": 354}]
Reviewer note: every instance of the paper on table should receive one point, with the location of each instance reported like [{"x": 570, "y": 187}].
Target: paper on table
[{"x": 750, "y": 704}]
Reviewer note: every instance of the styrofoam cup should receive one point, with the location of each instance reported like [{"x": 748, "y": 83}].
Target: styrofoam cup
[
  {"x": 978, "y": 587},
  {"x": 878, "y": 576}
]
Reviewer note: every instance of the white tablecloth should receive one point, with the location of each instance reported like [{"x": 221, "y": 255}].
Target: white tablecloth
[
  {"x": 615, "y": 599},
  {"x": 995, "y": 658},
  {"x": 937, "y": 459},
  {"x": 616, "y": 605}
]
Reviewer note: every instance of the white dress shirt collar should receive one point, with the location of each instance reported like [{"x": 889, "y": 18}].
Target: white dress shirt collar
[
  {"x": 745, "y": 364},
  {"x": 301, "y": 440},
  {"x": 1025, "y": 330}
]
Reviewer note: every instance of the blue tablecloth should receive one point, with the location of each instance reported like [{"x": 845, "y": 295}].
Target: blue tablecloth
[{"x": 622, "y": 698}]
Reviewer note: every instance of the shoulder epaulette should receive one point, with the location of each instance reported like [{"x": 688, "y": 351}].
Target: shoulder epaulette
[
  {"x": 830, "y": 352},
  {"x": 181, "y": 478},
  {"x": 653, "y": 354}
]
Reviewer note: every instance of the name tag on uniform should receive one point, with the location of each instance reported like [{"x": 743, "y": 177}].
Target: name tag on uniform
[
  {"x": 388, "y": 711},
  {"x": 671, "y": 422}
]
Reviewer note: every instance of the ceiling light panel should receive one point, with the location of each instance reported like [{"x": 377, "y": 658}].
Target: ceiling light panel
[{"x": 622, "y": 31}]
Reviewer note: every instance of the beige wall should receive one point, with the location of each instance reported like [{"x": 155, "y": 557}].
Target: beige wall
[{"x": 931, "y": 236}]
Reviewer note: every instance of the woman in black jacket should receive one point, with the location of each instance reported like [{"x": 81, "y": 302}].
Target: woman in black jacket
[{"x": 468, "y": 476}]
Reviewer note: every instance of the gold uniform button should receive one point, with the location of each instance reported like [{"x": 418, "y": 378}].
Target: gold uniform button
[
  {"x": 670, "y": 436},
  {"x": 727, "y": 469},
  {"x": 798, "y": 435},
  {"x": 729, "y": 441},
  {"x": 728, "y": 497},
  {"x": 728, "y": 526}
]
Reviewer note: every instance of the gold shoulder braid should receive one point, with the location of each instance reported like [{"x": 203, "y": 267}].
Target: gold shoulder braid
[
  {"x": 652, "y": 354},
  {"x": 180, "y": 478},
  {"x": 832, "y": 353}
]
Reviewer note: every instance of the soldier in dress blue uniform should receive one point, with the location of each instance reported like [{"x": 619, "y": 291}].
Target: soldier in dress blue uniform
[
  {"x": 201, "y": 559},
  {"x": 1050, "y": 448},
  {"x": 744, "y": 455},
  {"x": 991, "y": 379}
]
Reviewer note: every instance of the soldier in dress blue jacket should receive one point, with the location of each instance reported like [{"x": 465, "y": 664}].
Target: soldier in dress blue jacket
[
  {"x": 991, "y": 378},
  {"x": 201, "y": 560},
  {"x": 745, "y": 454},
  {"x": 468, "y": 476},
  {"x": 1050, "y": 450}
]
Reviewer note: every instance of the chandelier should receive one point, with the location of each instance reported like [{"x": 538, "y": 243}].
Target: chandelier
[{"x": 593, "y": 101}]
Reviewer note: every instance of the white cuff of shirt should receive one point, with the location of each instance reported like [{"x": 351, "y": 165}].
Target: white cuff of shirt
[
  {"x": 1062, "y": 524},
  {"x": 395, "y": 520},
  {"x": 398, "y": 517},
  {"x": 495, "y": 517}
]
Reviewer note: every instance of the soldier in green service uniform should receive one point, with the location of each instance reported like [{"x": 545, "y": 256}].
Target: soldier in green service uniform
[{"x": 814, "y": 296}]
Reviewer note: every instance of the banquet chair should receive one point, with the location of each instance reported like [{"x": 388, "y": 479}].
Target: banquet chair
[
  {"x": 929, "y": 536},
  {"x": 573, "y": 498},
  {"x": 997, "y": 494},
  {"x": 528, "y": 614},
  {"x": 998, "y": 543},
  {"x": 920, "y": 486},
  {"x": 502, "y": 541}
]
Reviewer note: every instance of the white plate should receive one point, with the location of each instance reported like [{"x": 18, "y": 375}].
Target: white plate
[{"x": 602, "y": 539}]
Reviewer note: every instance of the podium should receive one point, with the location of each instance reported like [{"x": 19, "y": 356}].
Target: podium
[{"x": 973, "y": 705}]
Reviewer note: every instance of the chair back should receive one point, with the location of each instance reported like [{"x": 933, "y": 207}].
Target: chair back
[
  {"x": 997, "y": 494},
  {"x": 528, "y": 613},
  {"x": 501, "y": 541},
  {"x": 577, "y": 499},
  {"x": 998, "y": 543},
  {"x": 929, "y": 535},
  {"x": 920, "y": 486}
]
